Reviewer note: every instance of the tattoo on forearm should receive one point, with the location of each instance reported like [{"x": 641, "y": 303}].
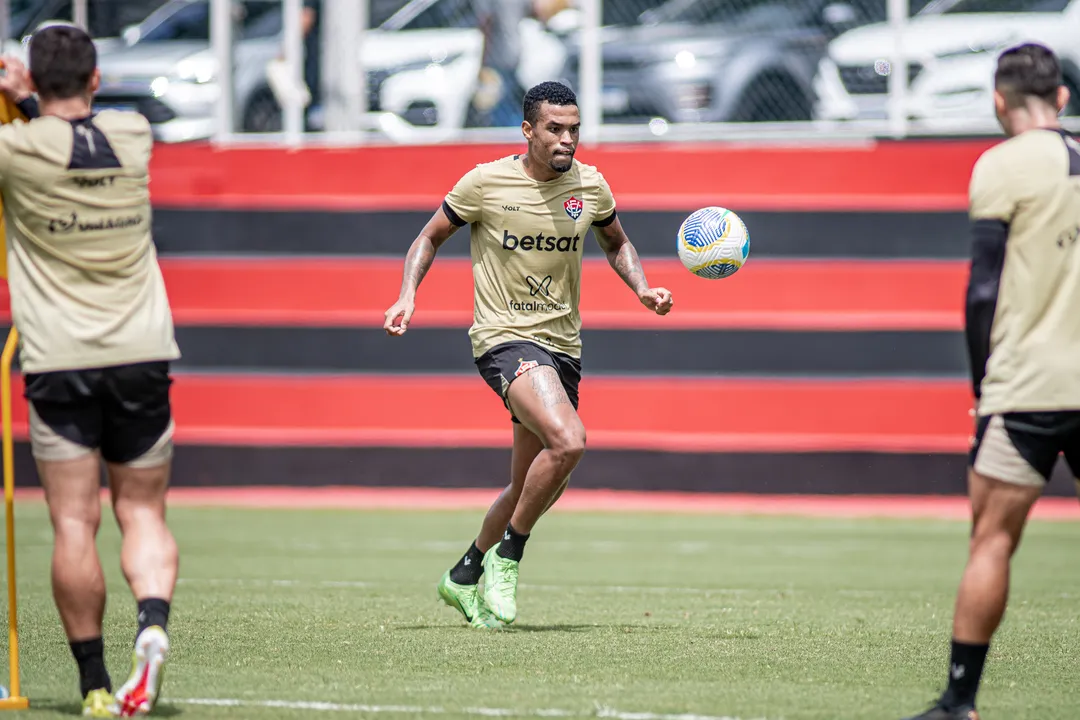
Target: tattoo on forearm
[
  {"x": 417, "y": 264},
  {"x": 628, "y": 266},
  {"x": 548, "y": 387}
]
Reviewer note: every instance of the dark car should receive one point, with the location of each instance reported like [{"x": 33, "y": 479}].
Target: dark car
[{"x": 721, "y": 60}]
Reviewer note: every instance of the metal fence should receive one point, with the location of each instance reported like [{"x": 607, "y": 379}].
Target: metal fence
[{"x": 423, "y": 71}]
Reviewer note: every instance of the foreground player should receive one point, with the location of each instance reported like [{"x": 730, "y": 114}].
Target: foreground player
[
  {"x": 1023, "y": 334},
  {"x": 529, "y": 215},
  {"x": 88, "y": 299}
]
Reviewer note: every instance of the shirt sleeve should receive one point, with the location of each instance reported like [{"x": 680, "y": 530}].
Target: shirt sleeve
[
  {"x": 605, "y": 204},
  {"x": 990, "y": 194},
  {"x": 7, "y": 139},
  {"x": 465, "y": 203}
]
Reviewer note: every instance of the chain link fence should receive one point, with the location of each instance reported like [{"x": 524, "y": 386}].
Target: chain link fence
[{"x": 416, "y": 71}]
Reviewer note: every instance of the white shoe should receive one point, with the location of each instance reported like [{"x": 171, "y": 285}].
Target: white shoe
[{"x": 139, "y": 694}]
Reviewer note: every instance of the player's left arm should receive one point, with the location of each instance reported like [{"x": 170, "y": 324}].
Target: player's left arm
[{"x": 624, "y": 259}]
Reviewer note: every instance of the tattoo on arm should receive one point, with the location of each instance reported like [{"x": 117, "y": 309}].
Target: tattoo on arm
[
  {"x": 417, "y": 264},
  {"x": 548, "y": 387},
  {"x": 622, "y": 256},
  {"x": 422, "y": 252}
]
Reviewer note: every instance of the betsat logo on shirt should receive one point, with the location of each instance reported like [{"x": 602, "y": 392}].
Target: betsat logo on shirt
[{"x": 541, "y": 242}]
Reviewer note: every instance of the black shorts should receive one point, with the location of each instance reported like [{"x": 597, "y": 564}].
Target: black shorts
[
  {"x": 123, "y": 411},
  {"x": 502, "y": 364},
  {"x": 1023, "y": 447}
]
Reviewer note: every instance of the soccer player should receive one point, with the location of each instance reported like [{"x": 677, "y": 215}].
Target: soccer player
[
  {"x": 89, "y": 301},
  {"x": 1023, "y": 336},
  {"x": 529, "y": 215}
]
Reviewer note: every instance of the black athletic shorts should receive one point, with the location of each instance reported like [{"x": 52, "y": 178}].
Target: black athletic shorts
[
  {"x": 502, "y": 364},
  {"x": 122, "y": 410},
  {"x": 1023, "y": 447}
]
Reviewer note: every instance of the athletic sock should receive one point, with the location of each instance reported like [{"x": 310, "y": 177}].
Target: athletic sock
[
  {"x": 469, "y": 568},
  {"x": 965, "y": 671},
  {"x": 512, "y": 546},
  {"x": 153, "y": 611},
  {"x": 90, "y": 654}
]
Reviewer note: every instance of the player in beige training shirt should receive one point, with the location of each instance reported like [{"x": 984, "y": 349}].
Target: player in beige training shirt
[
  {"x": 1023, "y": 333},
  {"x": 89, "y": 302},
  {"x": 530, "y": 216}
]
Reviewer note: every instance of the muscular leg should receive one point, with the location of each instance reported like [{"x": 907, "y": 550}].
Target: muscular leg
[
  {"x": 72, "y": 490},
  {"x": 541, "y": 403},
  {"x": 148, "y": 554},
  {"x": 999, "y": 512},
  {"x": 526, "y": 447},
  {"x": 149, "y": 559},
  {"x": 539, "y": 400}
]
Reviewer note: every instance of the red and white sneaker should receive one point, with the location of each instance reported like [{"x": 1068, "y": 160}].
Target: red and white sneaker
[{"x": 139, "y": 694}]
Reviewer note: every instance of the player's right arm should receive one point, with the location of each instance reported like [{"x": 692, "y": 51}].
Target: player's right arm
[
  {"x": 461, "y": 207},
  {"x": 992, "y": 206}
]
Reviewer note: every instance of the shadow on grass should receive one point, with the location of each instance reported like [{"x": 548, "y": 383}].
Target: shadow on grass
[{"x": 63, "y": 707}]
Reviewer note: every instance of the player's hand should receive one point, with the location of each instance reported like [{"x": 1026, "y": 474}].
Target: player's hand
[
  {"x": 15, "y": 79},
  {"x": 398, "y": 317},
  {"x": 658, "y": 300}
]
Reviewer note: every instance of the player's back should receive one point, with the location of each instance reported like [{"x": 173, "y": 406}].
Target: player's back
[
  {"x": 1032, "y": 184},
  {"x": 85, "y": 283}
]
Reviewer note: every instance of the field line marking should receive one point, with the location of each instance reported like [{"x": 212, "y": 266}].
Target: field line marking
[{"x": 598, "y": 712}]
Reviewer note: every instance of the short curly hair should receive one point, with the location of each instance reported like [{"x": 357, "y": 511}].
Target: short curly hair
[{"x": 553, "y": 93}]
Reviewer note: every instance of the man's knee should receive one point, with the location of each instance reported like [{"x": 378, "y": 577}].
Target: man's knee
[{"x": 567, "y": 443}]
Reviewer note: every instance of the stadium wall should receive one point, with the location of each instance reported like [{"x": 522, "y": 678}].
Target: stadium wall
[{"x": 833, "y": 363}]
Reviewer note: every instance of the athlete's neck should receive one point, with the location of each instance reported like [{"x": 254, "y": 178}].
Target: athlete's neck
[
  {"x": 75, "y": 108},
  {"x": 1034, "y": 115},
  {"x": 537, "y": 171}
]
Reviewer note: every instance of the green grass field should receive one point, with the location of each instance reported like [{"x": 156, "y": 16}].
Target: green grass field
[{"x": 626, "y": 616}]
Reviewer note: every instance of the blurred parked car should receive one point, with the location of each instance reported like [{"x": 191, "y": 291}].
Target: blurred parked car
[
  {"x": 717, "y": 60},
  {"x": 951, "y": 48},
  {"x": 421, "y": 66},
  {"x": 105, "y": 18}
]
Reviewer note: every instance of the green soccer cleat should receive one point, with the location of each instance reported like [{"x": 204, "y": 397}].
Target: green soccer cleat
[
  {"x": 466, "y": 600},
  {"x": 98, "y": 703},
  {"x": 500, "y": 585},
  {"x": 140, "y": 693}
]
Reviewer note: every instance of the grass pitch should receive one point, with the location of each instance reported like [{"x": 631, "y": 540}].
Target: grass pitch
[{"x": 287, "y": 613}]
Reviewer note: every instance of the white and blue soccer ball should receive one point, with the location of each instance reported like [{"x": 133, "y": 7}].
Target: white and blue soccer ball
[{"x": 713, "y": 243}]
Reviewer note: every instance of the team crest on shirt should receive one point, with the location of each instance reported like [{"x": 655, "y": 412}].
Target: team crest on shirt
[
  {"x": 574, "y": 207},
  {"x": 525, "y": 366}
]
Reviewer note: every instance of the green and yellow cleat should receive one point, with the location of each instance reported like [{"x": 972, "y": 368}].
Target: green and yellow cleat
[
  {"x": 500, "y": 585},
  {"x": 141, "y": 692},
  {"x": 98, "y": 703},
  {"x": 466, "y": 600}
]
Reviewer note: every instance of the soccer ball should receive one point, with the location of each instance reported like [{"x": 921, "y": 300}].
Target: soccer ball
[{"x": 713, "y": 243}]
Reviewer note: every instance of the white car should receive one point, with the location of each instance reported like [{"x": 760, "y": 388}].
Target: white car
[
  {"x": 951, "y": 47},
  {"x": 421, "y": 64}
]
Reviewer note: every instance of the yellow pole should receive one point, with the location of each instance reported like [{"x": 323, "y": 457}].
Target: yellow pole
[{"x": 15, "y": 701}]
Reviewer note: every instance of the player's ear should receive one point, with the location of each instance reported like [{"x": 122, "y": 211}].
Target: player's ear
[
  {"x": 526, "y": 129},
  {"x": 1000, "y": 106},
  {"x": 1062, "y": 99},
  {"x": 95, "y": 81}
]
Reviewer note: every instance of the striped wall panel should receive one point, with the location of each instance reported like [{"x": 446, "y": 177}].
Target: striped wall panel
[{"x": 833, "y": 362}]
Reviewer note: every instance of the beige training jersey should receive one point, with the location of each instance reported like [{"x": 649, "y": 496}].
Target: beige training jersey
[
  {"x": 86, "y": 289},
  {"x": 1032, "y": 183},
  {"x": 526, "y": 241}
]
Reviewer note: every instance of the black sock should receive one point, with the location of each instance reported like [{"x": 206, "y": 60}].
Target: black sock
[
  {"x": 153, "y": 611},
  {"x": 90, "y": 654},
  {"x": 965, "y": 671},
  {"x": 469, "y": 568},
  {"x": 512, "y": 546}
]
